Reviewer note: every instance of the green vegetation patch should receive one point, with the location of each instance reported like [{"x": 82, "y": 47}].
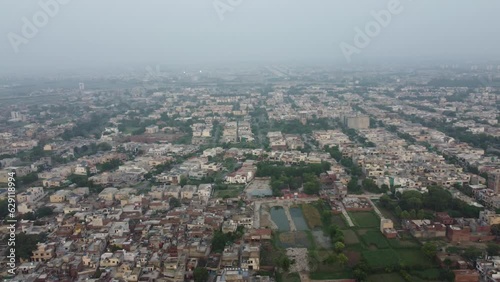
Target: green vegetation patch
[
  {"x": 323, "y": 275},
  {"x": 381, "y": 258},
  {"x": 427, "y": 274},
  {"x": 230, "y": 192},
  {"x": 403, "y": 244},
  {"x": 365, "y": 219},
  {"x": 312, "y": 216},
  {"x": 297, "y": 239},
  {"x": 339, "y": 220},
  {"x": 392, "y": 277},
  {"x": 413, "y": 257},
  {"x": 374, "y": 237},
  {"x": 350, "y": 237}
]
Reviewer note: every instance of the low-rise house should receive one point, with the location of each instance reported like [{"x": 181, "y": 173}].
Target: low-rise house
[
  {"x": 59, "y": 196},
  {"x": 44, "y": 252},
  {"x": 188, "y": 191},
  {"x": 108, "y": 194}
]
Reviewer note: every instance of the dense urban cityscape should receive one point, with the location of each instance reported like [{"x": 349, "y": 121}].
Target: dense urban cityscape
[
  {"x": 276, "y": 173},
  {"x": 249, "y": 141}
]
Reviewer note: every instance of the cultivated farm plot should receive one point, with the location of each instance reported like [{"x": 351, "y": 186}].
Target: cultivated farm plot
[
  {"x": 231, "y": 192},
  {"x": 403, "y": 244},
  {"x": 350, "y": 237},
  {"x": 294, "y": 240},
  {"x": 374, "y": 237},
  {"x": 413, "y": 257},
  {"x": 430, "y": 274},
  {"x": 312, "y": 216},
  {"x": 388, "y": 257},
  {"x": 339, "y": 221},
  {"x": 392, "y": 277},
  {"x": 381, "y": 258},
  {"x": 365, "y": 219}
]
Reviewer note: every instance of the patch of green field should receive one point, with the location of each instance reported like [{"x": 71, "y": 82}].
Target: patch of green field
[
  {"x": 312, "y": 216},
  {"x": 427, "y": 274},
  {"x": 388, "y": 214},
  {"x": 230, "y": 192},
  {"x": 388, "y": 257},
  {"x": 292, "y": 277},
  {"x": 297, "y": 239},
  {"x": 413, "y": 257},
  {"x": 323, "y": 275},
  {"x": 403, "y": 244},
  {"x": 381, "y": 258},
  {"x": 365, "y": 219},
  {"x": 374, "y": 237},
  {"x": 130, "y": 130},
  {"x": 338, "y": 220},
  {"x": 350, "y": 237},
  {"x": 386, "y": 277}
]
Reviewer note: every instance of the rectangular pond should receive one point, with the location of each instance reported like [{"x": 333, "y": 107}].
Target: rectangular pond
[
  {"x": 298, "y": 219},
  {"x": 279, "y": 217}
]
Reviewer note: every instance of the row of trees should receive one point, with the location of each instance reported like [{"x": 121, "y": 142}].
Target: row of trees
[
  {"x": 292, "y": 177},
  {"x": 90, "y": 128},
  {"x": 413, "y": 204},
  {"x": 220, "y": 239},
  {"x": 352, "y": 168}
]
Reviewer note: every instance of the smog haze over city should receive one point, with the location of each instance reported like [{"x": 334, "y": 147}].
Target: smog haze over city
[{"x": 249, "y": 140}]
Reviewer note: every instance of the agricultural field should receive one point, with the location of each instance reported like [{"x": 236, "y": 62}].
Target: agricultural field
[
  {"x": 392, "y": 277},
  {"x": 363, "y": 243},
  {"x": 312, "y": 216},
  {"x": 375, "y": 238},
  {"x": 339, "y": 220},
  {"x": 365, "y": 219},
  {"x": 231, "y": 191},
  {"x": 350, "y": 237},
  {"x": 298, "y": 239}
]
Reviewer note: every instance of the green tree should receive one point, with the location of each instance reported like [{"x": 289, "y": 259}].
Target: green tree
[
  {"x": 385, "y": 200},
  {"x": 495, "y": 229},
  {"x": 359, "y": 275},
  {"x": 312, "y": 187},
  {"x": 200, "y": 274},
  {"x": 174, "y": 202},
  {"x": 43, "y": 212},
  {"x": 472, "y": 253},
  {"x": 493, "y": 249},
  {"x": 405, "y": 215},
  {"x": 183, "y": 181},
  {"x": 338, "y": 247},
  {"x": 343, "y": 259},
  {"x": 429, "y": 249}
]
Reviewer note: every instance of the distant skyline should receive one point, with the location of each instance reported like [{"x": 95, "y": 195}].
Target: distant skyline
[{"x": 96, "y": 33}]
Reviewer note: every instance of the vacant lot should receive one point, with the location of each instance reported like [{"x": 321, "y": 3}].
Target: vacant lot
[
  {"x": 296, "y": 239},
  {"x": 312, "y": 216},
  {"x": 231, "y": 191}
]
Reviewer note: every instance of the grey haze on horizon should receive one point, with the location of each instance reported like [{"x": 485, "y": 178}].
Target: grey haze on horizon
[{"x": 87, "y": 33}]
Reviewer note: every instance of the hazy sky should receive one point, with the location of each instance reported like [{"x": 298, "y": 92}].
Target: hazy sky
[{"x": 97, "y": 32}]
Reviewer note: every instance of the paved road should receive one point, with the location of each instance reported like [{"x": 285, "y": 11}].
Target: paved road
[
  {"x": 376, "y": 209},
  {"x": 256, "y": 212},
  {"x": 346, "y": 215}
]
